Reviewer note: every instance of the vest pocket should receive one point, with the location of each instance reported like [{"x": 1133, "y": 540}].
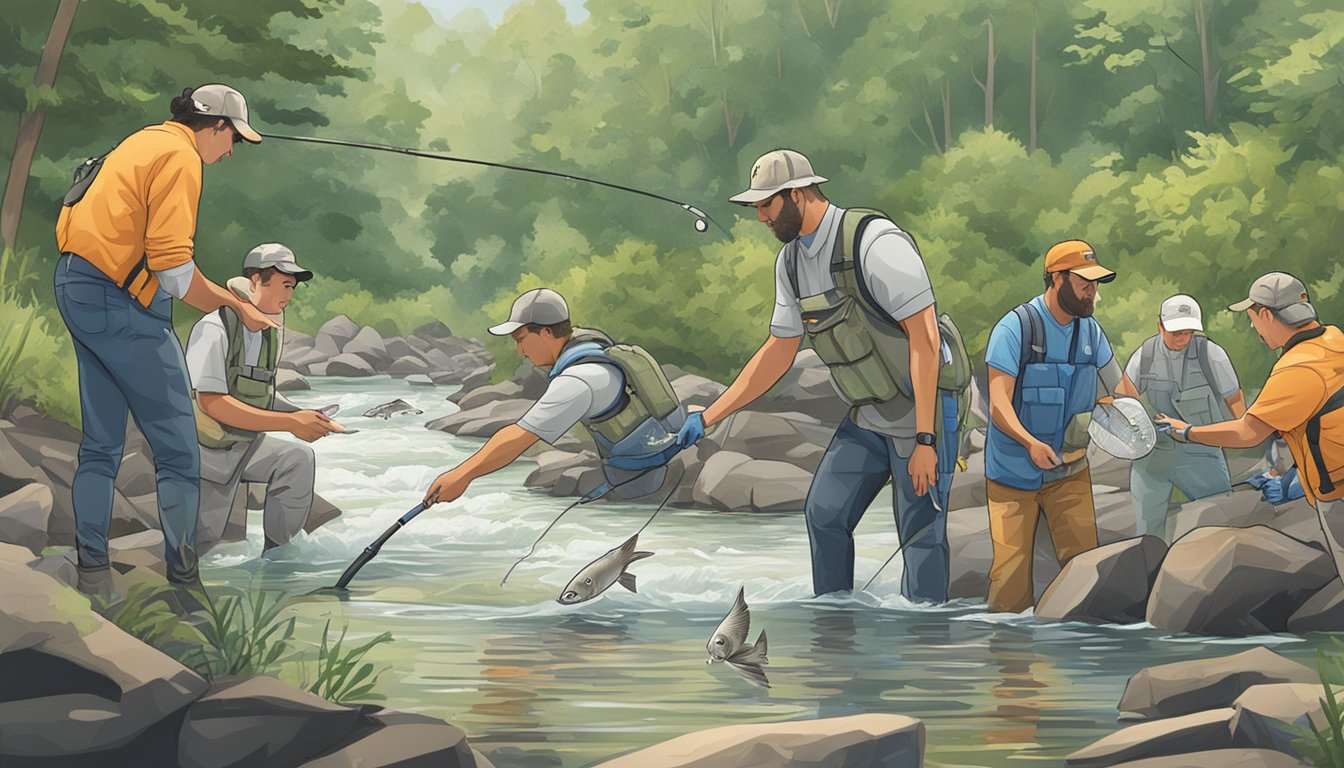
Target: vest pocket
[
  {"x": 1043, "y": 411},
  {"x": 1197, "y": 406}
]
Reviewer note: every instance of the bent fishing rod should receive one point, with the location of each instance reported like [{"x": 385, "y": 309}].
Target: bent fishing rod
[{"x": 702, "y": 219}]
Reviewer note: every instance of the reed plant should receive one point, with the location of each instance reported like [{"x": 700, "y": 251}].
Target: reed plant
[
  {"x": 1324, "y": 746},
  {"x": 342, "y": 674}
]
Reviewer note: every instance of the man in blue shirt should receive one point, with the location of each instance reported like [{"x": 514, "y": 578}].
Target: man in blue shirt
[{"x": 1041, "y": 395}]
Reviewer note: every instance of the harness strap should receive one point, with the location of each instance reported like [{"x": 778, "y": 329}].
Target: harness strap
[{"x": 1335, "y": 402}]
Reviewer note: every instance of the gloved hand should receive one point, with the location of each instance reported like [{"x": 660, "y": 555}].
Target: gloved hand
[
  {"x": 1258, "y": 481},
  {"x": 1283, "y": 488},
  {"x": 692, "y": 430}
]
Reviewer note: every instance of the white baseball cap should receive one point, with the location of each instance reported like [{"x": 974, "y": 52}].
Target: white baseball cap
[
  {"x": 278, "y": 256},
  {"x": 1181, "y": 313},
  {"x": 774, "y": 171},
  {"x": 219, "y": 100}
]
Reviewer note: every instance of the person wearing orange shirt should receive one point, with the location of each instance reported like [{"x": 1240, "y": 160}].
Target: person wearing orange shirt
[
  {"x": 126, "y": 236},
  {"x": 1303, "y": 399}
]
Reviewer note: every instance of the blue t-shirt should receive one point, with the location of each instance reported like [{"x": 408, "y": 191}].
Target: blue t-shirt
[{"x": 1005, "y": 341}]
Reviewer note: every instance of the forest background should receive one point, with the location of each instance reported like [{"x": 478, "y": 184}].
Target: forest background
[{"x": 1195, "y": 143}]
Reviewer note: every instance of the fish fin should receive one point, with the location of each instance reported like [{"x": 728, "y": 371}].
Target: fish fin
[
  {"x": 627, "y": 580},
  {"x": 628, "y": 548},
  {"x": 638, "y": 556},
  {"x": 735, "y": 625},
  {"x": 752, "y": 673},
  {"x": 752, "y": 654}
]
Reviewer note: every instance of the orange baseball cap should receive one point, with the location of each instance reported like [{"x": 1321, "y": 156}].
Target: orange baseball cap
[{"x": 1077, "y": 257}]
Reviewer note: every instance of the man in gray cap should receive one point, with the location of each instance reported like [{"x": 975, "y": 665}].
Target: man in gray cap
[
  {"x": 855, "y": 284},
  {"x": 1180, "y": 372},
  {"x": 1303, "y": 399},
  {"x": 617, "y": 391},
  {"x": 232, "y": 371}
]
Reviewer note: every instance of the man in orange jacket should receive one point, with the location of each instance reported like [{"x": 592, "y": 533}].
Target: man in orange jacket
[{"x": 126, "y": 242}]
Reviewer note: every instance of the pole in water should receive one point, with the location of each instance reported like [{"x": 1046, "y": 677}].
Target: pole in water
[
  {"x": 702, "y": 219},
  {"x": 372, "y": 550}
]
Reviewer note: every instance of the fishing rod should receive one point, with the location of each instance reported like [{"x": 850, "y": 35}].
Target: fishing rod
[
  {"x": 702, "y": 219},
  {"x": 901, "y": 546}
]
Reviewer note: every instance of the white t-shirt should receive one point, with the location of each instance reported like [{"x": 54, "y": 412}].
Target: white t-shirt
[
  {"x": 207, "y": 350},
  {"x": 582, "y": 390},
  {"x": 893, "y": 271}
]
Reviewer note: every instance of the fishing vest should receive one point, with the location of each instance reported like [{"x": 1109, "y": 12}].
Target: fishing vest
[
  {"x": 1053, "y": 397},
  {"x": 639, "y": 430},
  {"x": 1317, "y": 447},
  {"x": 250, "y": 384},
  {"x": 866, "y": 350},
  {"x": 1192, "y": 394}
]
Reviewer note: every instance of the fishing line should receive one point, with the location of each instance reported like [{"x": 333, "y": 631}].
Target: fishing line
[
  {"x": 702, "y": 219},
  {"x": 901, "y": 546}
]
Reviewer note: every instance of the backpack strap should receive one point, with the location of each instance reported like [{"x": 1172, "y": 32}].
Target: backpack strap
[
  {"x": 1032, "y": 349},
  {"x": 236, "y": 356},
  {"x": 1335, "y": 402},
  {"x": 791, "y": 271},
  {"x": 1201, "y": 354},
  {"x": 1147, "y": 352},
  {"x": 845, "y": 257}
]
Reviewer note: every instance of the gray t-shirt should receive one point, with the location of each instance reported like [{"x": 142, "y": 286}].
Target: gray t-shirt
[
  {"x": 583, "y": 390},
  {"x": 207, "y": 348},
  {"x": 1167, "y": 367},
  {"x": 893, "y": 271}
]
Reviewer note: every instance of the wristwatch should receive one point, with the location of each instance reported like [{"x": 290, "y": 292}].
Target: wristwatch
[{"x": 925, "y": 438}]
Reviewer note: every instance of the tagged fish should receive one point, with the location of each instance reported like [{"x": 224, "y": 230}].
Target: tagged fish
[
  {"x": 394, "y": 408},
  {"x": 729, "y": 644},
  {"x": 598, "y": 576}
]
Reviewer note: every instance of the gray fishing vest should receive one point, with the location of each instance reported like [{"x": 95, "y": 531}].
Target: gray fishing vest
[
  {"x": 250, "y": 384},
  {"x": 1190, "y": 393}
]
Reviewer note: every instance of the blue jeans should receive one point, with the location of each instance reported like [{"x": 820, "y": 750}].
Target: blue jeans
[
  {"x": 129, "y": 360},
  {"x": 857, "y": 463}
]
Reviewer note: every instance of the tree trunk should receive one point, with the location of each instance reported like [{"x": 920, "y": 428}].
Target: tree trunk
[
  {"x": 947, "y": 117},
  {"x": 832, "y": 11},
  {"x": 1031, "y": 144},
  {"x": 1209, "y": 81},
  {"x": 30, "y": 125},
  {"x": 933, "y": 135},
  {"x": 728, "y": 119},
  {"x": 988, "y": 85}
]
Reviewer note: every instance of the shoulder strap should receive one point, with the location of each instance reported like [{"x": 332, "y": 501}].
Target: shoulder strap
[
  {"x": 1201, "y": 352},
  {"x": 791, "y": 269},
  {"x": 845, "y": 256},
  {"x": 585, "y": 351},
  {"x": 1336, "y": 401},
  {"x": 1146, "y": 354},
  {"x": 1033, "y": 335},
  {"x": 237, "y": 353}
]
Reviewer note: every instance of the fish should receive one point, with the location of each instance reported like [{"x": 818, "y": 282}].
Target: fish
[
  {"x": 394, "y": 408},
  {"x": 729, "y": 644},
  {"x": 598, "y": 576}
]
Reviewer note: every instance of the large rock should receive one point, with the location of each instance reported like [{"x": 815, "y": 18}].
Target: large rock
[
  {"x": 532, "y": 379},
  {"x": 505, "y": 390},
  {"x": 715, "y": 469},
  {"x": 551, "y": 464},
  {"x": 1322, "y": 612},
  {"x": 347, "y": 365},
  {"x": 24, "y": 515},
  {"x": 1183, "y": 687},
  {"x": 404, "y": 740},
  {"x": 1115, "y": 515},
  {"x": 397, "y": 347},
  {"x": 805, "y": 388},
  {"x": 877, "y": 740},
  {"x": 755, "y": 485},
  {"x": 1220, "y": 758},
  {"x": 337, "y": 331},
  {"x": 78, "y": 690},
  {"x": 16, "y": 470},
  {"x": 968, "y": 487},
  {"x": 433, "y": 331},
  {"x": 696, "y": 390},
  {"x": 772, "y": 436},
  {"x": 290, "y": 381},
  {"x": 1235, "y": 581},
  {"x": 1239, "y": 509},
  {"x": 368, "y": 344},
  {"x": 1109, "y": 584},
  {"x": 260, "y": 722},
  {"x": 970, "y": 552},
  {"x": 1275, "y": 716},
  {"x": 407, "y": 365},
  {"x": 484, "y": 421},
  {"x": 1197, "y": 732},
  {"x": 478, "y": 377}
]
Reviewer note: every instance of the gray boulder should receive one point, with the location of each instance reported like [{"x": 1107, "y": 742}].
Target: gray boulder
[
  {"x": 407, "y": 365},
  {"x": 696, "y": 390},
  {"x": 1220, "y": 758},
  {"x": 368, "y": 344},
  {"x": 24, "y": 515},
  {"x": 397, "y": 347},
  {"x": 433, "y": 330},
  {"x": 1197, "y": 732},
  {"x": 878, "y": 740},
  {"x": 806, "y": 388},
  {"x": 1239, "y": 509},
  {"x": 772, "y": 436},
  {"x": 532, "y": 379},
  {"x": 402, "y": 739},
  {"x": 303, "y": 360},
  {"x": 1322, "y": 612},
  {"x": 1275, "y": 716},
  {"x": 968, "y": 488},
  {"x": 1115, "y": 516},
  {"x": 296, "y": 340},
  {"x": 577, "y": 480},
  {"x": 77, "y": 687},
  {"x": 714, "y": 471},
  {"x": 505, "y": 390},
  {"x": 1183, "y": 687},
  {"x": 551, "y": 464},
  {"x": 290, "y": 381},
  {"x": 477, "y": 377},
  {"x": 1236, "y": 581},
  {"x": 755, "y": 485},
  {"x": 419, "y": 380},
  {"x": 347, "y": 365},
  {"x": 339, "y": 330},
  {"x": 1107, "y": 585},
  {"x": 483, "y": 421},
  {"x": 260, "y": 722}
]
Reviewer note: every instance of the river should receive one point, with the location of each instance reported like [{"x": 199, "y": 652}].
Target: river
[{"x": 534, "y": 683}]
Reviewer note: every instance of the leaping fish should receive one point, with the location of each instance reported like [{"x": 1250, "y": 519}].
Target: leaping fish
[
  {"x": 729, "y": 644},
  {"x": 388, "y": 410},
  {"x": 598, "y": 576}
]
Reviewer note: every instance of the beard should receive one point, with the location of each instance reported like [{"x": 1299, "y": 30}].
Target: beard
[
  {"x": 789, "y": 222},
  {"x": 1073, "y": 303}
]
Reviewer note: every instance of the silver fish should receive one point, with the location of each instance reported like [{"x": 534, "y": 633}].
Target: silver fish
[
  {"x": 396, "y": 407},
  {"x": 598, "y": 576},
  {"x": 729, "y": 644}
]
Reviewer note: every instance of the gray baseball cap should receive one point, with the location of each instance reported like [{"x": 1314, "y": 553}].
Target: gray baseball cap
[
  {"x": 1284, "y": 294},
  {"x": 541, "y": 306},
  {"x": 217, "y": 99},
  {"x": 278, "y": 256},
  {"x": 774, "y": 171}
]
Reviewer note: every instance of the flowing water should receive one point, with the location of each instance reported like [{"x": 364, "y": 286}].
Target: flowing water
[{"x": 534, "y": 683}]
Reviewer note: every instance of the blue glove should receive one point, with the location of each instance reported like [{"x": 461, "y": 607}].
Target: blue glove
[
  {"x": 1285, "y": 488},
  {"x": 1293, "y": 489},
  {"x": 691, "y": 431},
  {"x": 1273, "y": 490},
  {"x": 1258, "y": 481}
]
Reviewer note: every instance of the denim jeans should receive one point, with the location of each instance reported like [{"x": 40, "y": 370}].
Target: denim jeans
[
  {"x": 857, "y": 463},
  {"x": 129, "y": 361}
]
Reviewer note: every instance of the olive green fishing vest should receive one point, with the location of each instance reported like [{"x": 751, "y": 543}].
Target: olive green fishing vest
[
  {"x": 253, "y": 385},
  {"x": 645, "y": 394},
  {"x": 867, "y": 351}
]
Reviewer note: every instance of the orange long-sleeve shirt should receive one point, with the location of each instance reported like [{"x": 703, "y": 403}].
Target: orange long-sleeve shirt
[{"x": 143, "y": 203}]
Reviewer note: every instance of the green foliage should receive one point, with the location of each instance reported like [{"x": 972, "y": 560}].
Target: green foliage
[
  {"x": 340, "y": 675},
  {"x": 144, "y": 614},
  {"x": 35, "y": 351},
  {"x": 1325, "y": 747},
  {"x": 244, "y": 634}
]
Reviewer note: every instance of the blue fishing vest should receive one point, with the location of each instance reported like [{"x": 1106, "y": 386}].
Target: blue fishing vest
[{"x": 1052, "y": 388}]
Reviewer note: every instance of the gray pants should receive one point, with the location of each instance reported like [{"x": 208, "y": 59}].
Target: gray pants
[
  {"x": 1331, "y": 514},
  {"x": 286, "y": 468}
]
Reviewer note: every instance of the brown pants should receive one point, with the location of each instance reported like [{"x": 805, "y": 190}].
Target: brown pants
[{"x": 1070, "y": 516}]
